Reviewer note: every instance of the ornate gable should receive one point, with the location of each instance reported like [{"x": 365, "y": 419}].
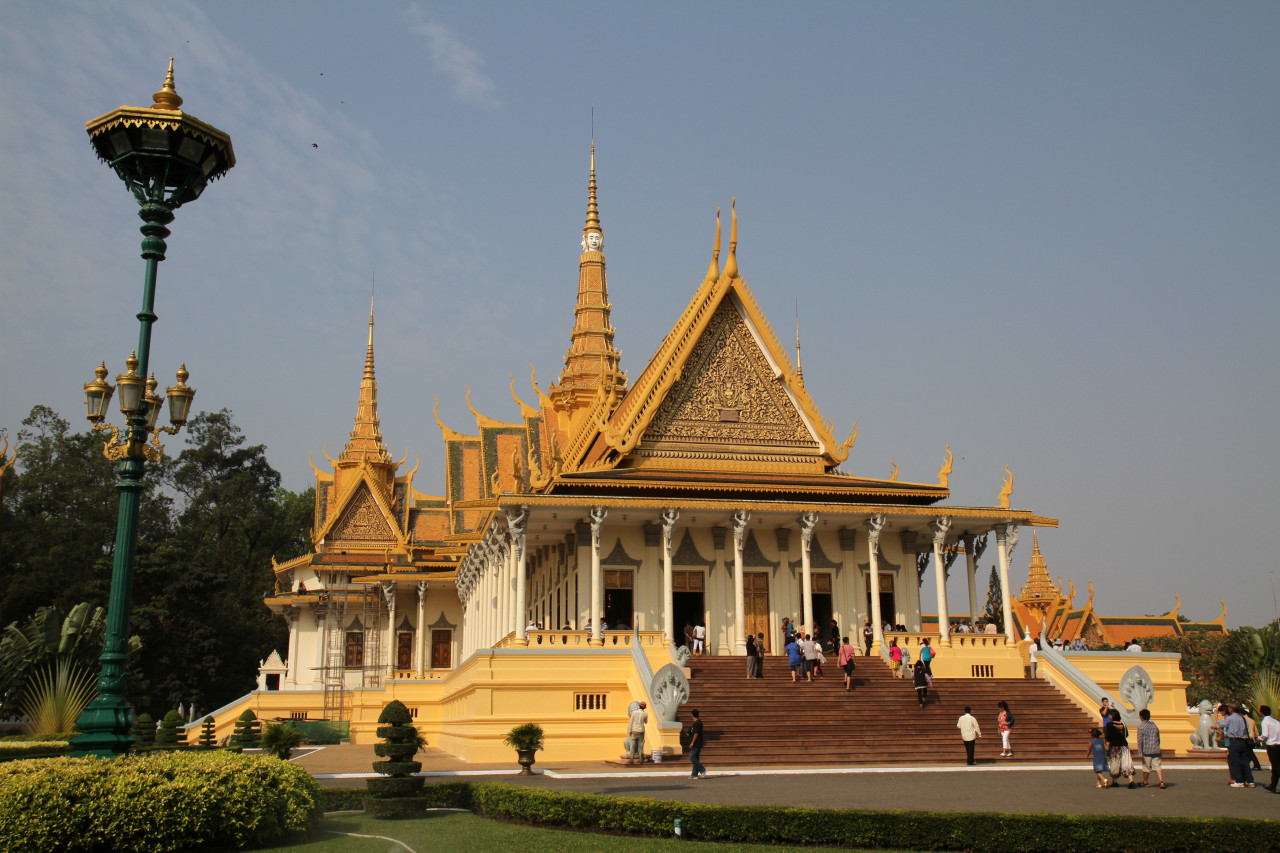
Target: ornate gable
[
  {"x": 362, "y": 522},
  {"x": 728, "y": 399}
]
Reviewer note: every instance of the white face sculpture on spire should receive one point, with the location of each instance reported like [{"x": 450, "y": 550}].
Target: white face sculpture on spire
[{"x": 594, "y": 241}]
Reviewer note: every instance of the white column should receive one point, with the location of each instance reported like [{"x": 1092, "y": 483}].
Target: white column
[
  {"x": 940, "y": 527},
  {"x": 738, "y": 637},
  {"x": 294, "y": 615},
  {"x": 516, "y": 524},
  {"x": 506, "y": 589},
  {"x": 807, "y": 522},
  {"x": 1003, "y": 546},
  {"x": 669, "y": 517},
  {"x": 875, "y": 526},
  {"x": 389, "y": 592},
  {"x": 420, "y": 646},
  {"x": 597, "y": 577},
  {"x": 973, "y": 548}
]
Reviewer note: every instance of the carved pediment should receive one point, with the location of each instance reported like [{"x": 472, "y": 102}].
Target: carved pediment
[
  {"x": 728, "y": 395},
  {"x": 362, "y": 521}
]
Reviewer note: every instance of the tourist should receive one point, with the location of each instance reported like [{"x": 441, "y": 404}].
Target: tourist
[
  {"x": 810, "y": 651},
  {"x": 532, "y": 626},
  {"x": 833, "y": 634},
  {"x": 969, "y": 733},
  {"x": 688, "y": 636},
  {"x": 1004, "y": 723},
  {"x": 818, "y": 660},
  {"x": 635, "y": 735},
  {"x": 906, "y": 662},
  {"x": 1078, "y": 645},
  {"x": 1252, "y": 726},
  {"x": 846, "y": 663},
  {"x": 1119, "y": 760},
  {"x": 1133, "y": 647},
  {"x": 699, "y": 638},
  {"x": 927, "y": 654},
  {"x": 1098, "y": 752},
  {"x": 788, "y": 630},
  {"x": 1271, "y": 740},
  {"x": 1238, "y": 749},
  {"x": 751, "y": 656},
  {"x": 795, "y": 658},
  {"x": 695, "y": 746},
  {"x": 895, "y": 655},
  {"x": 921, "y": 680},
  {"x": 760, "y": 655},
  {"x": 1031, "y": 652},
  {"x": 868, "y": 634},
  {"x": 1149, "y": 747},
  {"x": 1105, "y": 712}
]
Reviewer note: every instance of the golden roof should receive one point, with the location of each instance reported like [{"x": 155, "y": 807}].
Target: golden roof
[{"x": 366, "y": 434}]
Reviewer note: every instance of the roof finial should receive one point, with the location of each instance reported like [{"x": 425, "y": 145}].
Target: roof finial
[
  {"x": 167, "y": 98},
  {"x": 593, "y": 211},
  {"x": 368, "y": 358},
  {"x": 799, "y": 364},
  {"x": 731, "y": 265},
  {"x": 713, "y": 271}
]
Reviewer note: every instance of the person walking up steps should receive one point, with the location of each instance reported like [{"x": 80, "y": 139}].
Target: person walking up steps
[
  {"x": 846, "y": 663},
  {"x": 760, "y": 655},
  {"x": 921, "y": 680},
  {"x": 695, "y": 746},
  {"x": 1004, "y": 722}
]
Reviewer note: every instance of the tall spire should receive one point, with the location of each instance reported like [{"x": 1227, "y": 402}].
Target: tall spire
[
  {"x": 731, "y": 265},
  {"x": 591, "y": 363},
  {"x": 366, "y": 434}
]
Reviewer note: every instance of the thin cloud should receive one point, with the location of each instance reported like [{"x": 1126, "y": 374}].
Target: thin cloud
[{"x": 452, "y": 57}]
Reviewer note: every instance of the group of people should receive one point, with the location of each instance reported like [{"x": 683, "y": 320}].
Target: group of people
[
  {"x": 970, "y": 731},
  {"x": 967, "y": 627},
  {"x": 1240, "y": 734},
  {"x": 1112, "y": 758},
  {"x": 695, "y": 637}
]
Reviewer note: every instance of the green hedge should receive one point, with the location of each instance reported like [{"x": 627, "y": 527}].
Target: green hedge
[
  {"x": 863, "y": 829},
  {"x": 152, "y": 802},
  {"x": 21, "y": 750}
]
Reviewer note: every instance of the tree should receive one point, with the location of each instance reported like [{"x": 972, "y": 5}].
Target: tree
[
  {"x": 208, "y": 740},
  {"x": 399, "y": 793},
  {"x": 994, "y": 611},
  {"x": 171, "y": 734},
  {"x": 247, "y": 733}
]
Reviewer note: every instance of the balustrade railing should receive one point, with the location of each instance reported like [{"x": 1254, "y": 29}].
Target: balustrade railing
[{"x": 582, "y": 640}]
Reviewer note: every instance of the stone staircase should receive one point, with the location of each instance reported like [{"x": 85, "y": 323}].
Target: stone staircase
[{"x": 772, "y": 721}]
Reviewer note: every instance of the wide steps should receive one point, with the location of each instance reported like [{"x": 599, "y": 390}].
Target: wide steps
[{"x": 773, "y": 721}]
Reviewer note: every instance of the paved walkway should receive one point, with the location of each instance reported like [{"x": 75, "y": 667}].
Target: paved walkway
[{"x": 1195, "y": 787}]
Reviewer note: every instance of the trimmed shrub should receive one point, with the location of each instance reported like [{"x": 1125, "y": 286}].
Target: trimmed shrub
[
  {"x": 144, "y": 729},
  {"x": 159, "y": 801},
  {"x": 171, "y": 734},
  {"x": 17, "y": 750},
  {"x": 401, "y": 794},
  {"x": 208, "y": 740},
  {"x": 343, "y": 799},
  {"x": 248, "y": 731}
]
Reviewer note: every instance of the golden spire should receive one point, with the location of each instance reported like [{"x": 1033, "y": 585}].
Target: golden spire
[
  {"x": 366, "y": 433},
  {"x": 1039, "y": 588},
  {"x": 593, "y": 210},
  {"x": 713, "y": 271},
  {"x": 731, "y": 265},
  {"x": 167, "y": 98}
]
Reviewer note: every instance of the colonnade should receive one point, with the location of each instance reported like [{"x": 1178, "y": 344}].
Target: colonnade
[{"x": 495, "y": 590}]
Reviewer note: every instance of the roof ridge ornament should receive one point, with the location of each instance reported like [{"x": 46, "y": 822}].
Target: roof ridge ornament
[
  {"x": 1007, "y": 490},
  {"x": 731, "y": 264},
  {"x": 167, "y": 98},
  {"x": 713, "y": 271}
]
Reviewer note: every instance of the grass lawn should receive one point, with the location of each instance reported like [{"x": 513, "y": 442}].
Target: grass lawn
[{"x": 463, "y": 831}]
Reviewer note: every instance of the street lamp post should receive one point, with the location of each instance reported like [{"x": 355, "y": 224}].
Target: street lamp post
[{"x": 166, "y": 158}]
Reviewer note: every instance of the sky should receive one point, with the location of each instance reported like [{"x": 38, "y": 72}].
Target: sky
[{"x": 1046, "y": 234}]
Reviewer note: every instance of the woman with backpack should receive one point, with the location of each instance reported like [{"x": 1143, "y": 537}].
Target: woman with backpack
[
  {"x": 1004, "y": 722},
  {"x": 926, "y": 656},
  {"x": 921, "y": 680}
]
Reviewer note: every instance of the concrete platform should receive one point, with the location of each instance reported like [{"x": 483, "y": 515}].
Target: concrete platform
[{"x": 1195, "y": 787}]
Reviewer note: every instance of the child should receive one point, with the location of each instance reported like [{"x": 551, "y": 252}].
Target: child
[
  {"x": 1098, "y": 752},
  {"x": 818, "y": 660}
]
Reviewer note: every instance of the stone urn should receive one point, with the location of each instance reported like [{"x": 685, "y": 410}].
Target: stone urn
[{"x": 525, "y": 757}]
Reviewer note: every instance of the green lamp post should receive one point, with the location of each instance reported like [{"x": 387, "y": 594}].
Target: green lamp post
[{"x": 166, "y": 158}]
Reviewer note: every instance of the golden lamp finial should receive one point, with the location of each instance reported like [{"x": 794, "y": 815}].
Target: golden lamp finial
[
  {"x": 731, "y": 265},
  {"x": 167, "y": 98},
  {"x": 713, "y": 271}
]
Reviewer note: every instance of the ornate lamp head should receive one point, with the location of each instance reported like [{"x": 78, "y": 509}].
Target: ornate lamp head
[
  {"x": 180, "y": 397},
  {"x": 97, "y": 395},
  {"x": 160, "y": 152},
  {"x": 130, "y": 385},
  {"x": 154, "y": 402}
]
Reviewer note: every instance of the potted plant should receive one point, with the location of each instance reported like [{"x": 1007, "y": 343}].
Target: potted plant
[
  {"x": 525, "y": 739},
  {"x": 280, "y": 740}
]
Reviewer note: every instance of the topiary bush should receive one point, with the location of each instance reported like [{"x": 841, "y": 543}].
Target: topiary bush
[
  {"x": 171, "y": 734},
  {"x": 248, "y": 731},
  {"x": 144, "y": 729},
  {"x": 158, "y": 801},
  {"x": 400, "y": 794},
  {"x": 208, "y": 740}
]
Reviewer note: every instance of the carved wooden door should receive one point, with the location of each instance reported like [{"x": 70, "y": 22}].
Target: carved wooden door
[
  {"x": 755, "y": 601},
  {"x": 441, "y": 649},
  {"x": 404, "y": 650}
]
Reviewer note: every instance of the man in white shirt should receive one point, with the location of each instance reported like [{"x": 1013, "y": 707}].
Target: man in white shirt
[
  {"x": 1032, "y": 661},
  {"x": 1270, "y": 735},
  {"x": 1133, "y": 647},
  {"x": 635, "y": 735},
  {"x": 969, "y": 733},
  {"x": 699, "y": 638}
]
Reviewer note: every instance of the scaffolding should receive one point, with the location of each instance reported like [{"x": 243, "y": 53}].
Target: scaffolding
[{"x": 351, "y": 610}]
